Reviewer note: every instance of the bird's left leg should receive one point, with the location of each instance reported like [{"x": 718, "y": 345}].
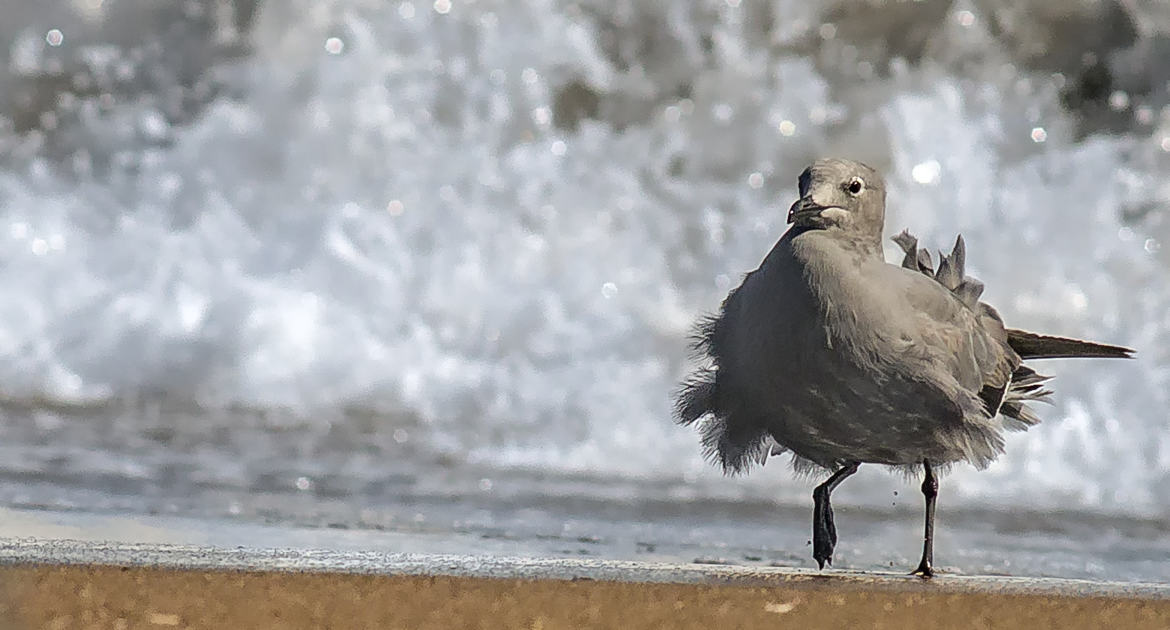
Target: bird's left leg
[
  {"x": 930, "y": 491},
  {"x": 824, "y": 530}
]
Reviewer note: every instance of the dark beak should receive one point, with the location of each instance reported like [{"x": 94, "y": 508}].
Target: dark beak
[{"x": 804, "y": 207}]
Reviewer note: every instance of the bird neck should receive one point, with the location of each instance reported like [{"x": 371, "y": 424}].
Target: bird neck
[{"x": 863, "y": 246}]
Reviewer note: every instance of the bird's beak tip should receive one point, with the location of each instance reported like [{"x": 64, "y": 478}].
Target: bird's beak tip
[{"x": 792, "y": 210}]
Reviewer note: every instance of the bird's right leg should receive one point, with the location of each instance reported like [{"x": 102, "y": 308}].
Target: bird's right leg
[{"x": 824, "y": 530}]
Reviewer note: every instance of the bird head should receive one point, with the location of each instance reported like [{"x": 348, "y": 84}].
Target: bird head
[{"x": 840, "y": 194}]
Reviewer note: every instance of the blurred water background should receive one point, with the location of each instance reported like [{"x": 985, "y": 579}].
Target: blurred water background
[{"x": 401, "y": 265}]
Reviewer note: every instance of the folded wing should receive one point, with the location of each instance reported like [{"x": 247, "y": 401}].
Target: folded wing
[{"x": 1006, "y": 385}]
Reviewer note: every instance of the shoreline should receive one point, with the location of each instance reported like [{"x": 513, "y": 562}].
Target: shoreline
[
  {"x": 66, "y": 553},
  {"x": 69, "y": 583},
  {"x": 80, "y": 570}
]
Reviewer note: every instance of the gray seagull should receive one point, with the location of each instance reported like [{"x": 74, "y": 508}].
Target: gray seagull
[{"x": 828, "y": 351}]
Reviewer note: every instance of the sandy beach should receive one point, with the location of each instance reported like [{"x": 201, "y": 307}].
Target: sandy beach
[
  {"x": 117, "y": 597},
  {"x": 64, "y": 583}
]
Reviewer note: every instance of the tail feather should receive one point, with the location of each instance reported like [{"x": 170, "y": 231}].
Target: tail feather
[
  {"x": 1019, "y": 416},
  {"x": 1034, "y": 346},
  {"x": 1026, "y": 386}
]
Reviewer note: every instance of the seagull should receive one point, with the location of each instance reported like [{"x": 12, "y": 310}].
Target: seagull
[{"x": 830, "y": 353}]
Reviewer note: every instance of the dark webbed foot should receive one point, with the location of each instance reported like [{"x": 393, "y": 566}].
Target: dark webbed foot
[
  {"x": 824, "y": 529},
  {"x": 924, "y": 570}
]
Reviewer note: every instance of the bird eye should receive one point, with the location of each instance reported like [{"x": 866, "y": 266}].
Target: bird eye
[{"x": 856, "y": 185}]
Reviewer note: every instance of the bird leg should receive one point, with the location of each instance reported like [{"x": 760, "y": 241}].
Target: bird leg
[
  {"x": 930, "y": 491},
  {"x": 824, "y": 530}
]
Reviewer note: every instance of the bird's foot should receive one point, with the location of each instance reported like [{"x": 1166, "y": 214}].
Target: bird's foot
[
  {"x": 924, "y": 570},
  {"x": 824, "y": 532},
  {"x": 822, "y": 552}
]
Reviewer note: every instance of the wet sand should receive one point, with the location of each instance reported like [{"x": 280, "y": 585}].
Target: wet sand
[
  {"x": 116, "y": 597},
  {"x": 83, "y": 584}
]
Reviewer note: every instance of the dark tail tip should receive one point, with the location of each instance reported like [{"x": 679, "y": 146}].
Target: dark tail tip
[{"x": 1035, "y": 346}]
